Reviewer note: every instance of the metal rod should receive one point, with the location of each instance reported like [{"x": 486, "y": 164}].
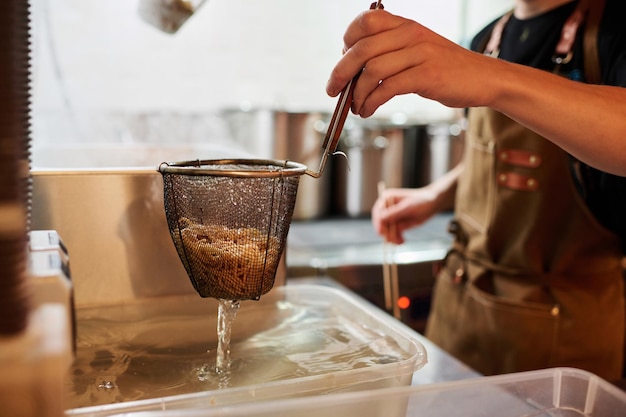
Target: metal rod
[
  {"x": 340, "y": 114},
  {"x": 390, "y": 268}
]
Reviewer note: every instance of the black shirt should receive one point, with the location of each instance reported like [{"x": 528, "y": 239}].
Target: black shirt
[{"x": 532, "y": 42}]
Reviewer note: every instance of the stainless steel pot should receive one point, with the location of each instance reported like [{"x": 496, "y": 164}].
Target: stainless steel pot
[
  {"x": 400, "y": 156},
  {"x": 439, "y": 149},
  {"x": 374, "y": 154}
]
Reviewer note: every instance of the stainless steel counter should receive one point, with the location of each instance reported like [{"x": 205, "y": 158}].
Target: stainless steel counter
[
  {"x": 350, "y": 252},
  {"x": 332, "y": 243}
]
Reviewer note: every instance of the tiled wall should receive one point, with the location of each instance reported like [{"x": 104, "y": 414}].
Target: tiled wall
[{"x": 103, "y": 75}]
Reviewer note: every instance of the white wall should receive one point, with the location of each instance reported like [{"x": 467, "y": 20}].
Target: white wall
[{"x": 100, "y": 72}]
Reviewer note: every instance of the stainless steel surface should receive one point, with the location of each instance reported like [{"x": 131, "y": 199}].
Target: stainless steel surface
[
  {"x": 113, "y": 224},
  {"x": 439, "y": 150},
  {"x": 399, "y": 155},
  {"x": 255, "y": 168},
  {"x": 350, "y": 252},
  {"x": 338, "y": 242},
  {"x": 374, "y": 153},
  {"x": 298, "y": 137}
]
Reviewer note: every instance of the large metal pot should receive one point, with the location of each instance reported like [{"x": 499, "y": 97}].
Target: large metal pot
[
  {"x": 438, "y": 150},
  {"x": 374, "y": 154},
  {"x": 400, "y": 156}
]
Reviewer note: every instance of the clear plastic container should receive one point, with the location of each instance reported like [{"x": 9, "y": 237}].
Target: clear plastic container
[
  {"x": 299, "y": 340},
  {"x": 558, "y": 392}
]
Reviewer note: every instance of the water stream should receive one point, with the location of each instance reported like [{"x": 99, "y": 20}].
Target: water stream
[{"x": 226, "y": 313}]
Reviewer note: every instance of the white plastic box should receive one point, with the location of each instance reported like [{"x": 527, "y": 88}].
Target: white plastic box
[
  {"x": 558, "y": 392},
  {"x": 130, "y": 357}
]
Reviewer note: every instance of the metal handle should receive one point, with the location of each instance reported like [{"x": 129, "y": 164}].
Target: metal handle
[{"x": 331, "y": 141}]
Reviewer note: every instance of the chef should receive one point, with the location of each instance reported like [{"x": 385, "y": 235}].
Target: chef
[{"x": 534, "y": 277}]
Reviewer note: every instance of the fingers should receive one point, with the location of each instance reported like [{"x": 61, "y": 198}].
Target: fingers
[
  {"x": 385, "y": 77},
  {"x": 384, "y": 217},
  {"x": 396, "y": 234},
  {"x": 395, "y": 56},
  {"x": 377, "y": 220},
  {"x": 360, "y": 46},
  {"x": 386, "y": 51},
  {"x": 369, "y": 23}
]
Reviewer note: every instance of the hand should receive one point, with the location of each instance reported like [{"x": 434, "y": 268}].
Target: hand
[
  {"x": 399, "y": 209},
  {"x": 400, "y": 56}
]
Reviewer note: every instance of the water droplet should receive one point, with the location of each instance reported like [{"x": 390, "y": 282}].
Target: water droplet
[{"x": 107, "y": 385}]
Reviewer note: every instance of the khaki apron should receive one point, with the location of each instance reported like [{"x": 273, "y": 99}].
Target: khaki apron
[{"x": 533, "y": 280}]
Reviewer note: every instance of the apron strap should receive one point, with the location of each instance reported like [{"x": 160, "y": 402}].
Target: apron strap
[
  {"x": 589, "y": 12},
  {"x": 564, "y": 48},
  {"x": 593, "y": 73},
  {"x": 492, "y": 47}
]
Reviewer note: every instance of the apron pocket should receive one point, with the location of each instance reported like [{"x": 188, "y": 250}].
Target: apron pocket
[{"x": 491, "y": 334}]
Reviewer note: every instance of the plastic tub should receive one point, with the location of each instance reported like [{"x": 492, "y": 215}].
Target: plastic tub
[
  {"x": 299, "y": 340},
  {"x": 558, "y": 392}
]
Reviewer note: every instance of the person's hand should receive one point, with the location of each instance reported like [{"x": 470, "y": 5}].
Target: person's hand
[
  {"x": 399, "y": 209},
  {"x": 399, "y": 56}
]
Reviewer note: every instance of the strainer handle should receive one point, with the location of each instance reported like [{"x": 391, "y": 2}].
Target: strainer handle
[{"x": 331, "y": 141}]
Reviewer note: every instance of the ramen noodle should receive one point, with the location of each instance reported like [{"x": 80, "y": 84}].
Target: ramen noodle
[{"x": 241, "y": 261}]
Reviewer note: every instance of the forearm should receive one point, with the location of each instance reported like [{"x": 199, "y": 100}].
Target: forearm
[
  {"x": 588, "y": 121},
  {"x": 397, "y": 56},
  {"x": 444, "y": 188}
]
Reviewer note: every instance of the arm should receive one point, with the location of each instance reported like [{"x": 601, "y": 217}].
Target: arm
[
  {"x": 588, "y": 121},
  {"x": 399, "y": 56}
]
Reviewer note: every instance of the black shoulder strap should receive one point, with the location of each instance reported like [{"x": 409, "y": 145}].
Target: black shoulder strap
[{"x": 595, "y": 10}]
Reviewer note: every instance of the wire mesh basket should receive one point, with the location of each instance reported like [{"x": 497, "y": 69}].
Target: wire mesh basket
[{"x": 229, "y": 221}]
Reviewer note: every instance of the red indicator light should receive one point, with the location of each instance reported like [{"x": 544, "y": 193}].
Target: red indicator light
[{"x": 404, "y": 303}]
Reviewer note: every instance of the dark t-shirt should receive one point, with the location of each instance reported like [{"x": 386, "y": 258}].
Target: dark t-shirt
[{"x": 532, "y": 42}]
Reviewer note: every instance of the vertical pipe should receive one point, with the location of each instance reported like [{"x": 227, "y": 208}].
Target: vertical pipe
[{"x": 14, "y": 163}]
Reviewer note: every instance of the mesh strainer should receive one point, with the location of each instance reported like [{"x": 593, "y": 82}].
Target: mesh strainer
[
  {"x": 229, "y": 221},
  {"x": 229, "y": 218}
]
